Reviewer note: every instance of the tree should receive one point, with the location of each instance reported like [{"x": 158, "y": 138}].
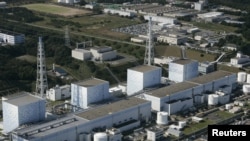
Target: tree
[{"x": 82, "y": 2}]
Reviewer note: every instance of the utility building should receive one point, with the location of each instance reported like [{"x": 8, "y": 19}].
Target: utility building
[
  {"x": 89, "y": 91},
  {"x": 141, "y": 77},
  {"x": 22, "y": 108},
  {"x": 183, "y": 69},
  {"x": 10, "y": 37}
]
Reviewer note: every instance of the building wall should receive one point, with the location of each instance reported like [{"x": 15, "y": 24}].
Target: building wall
[
  {"x": 136, "y": 113},
  {"x": 197, "y": 90},
  {"x": 134, "y": 81},
  {"x": 119, "y": 12},
  {"x": 83, "y": 96},
  {"x": 77, "y": 95},
  {"x": 178, "y": 106},
  {"x": 97, "y": 93},
  {"x": 152, "y": 78},
  {"x": 107, "y": 55},
  {"x": 18, "y": 115},
  {"x": 208, "y": 87},
  {"x": 12, "y": 39},
  {"x": 161, "y": 19},
  {"x": 32, "y": 112},
  {"x": 176, "y": 72},
  {"x": 155, "y": 102},
  {"x": 191, "y": 70},
  {"x": 220, "y": 82},
  {"x": 10, "y": 115},
  {"x": 81, "y": 55}
]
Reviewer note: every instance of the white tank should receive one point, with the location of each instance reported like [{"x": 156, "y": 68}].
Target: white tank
[
  {"x": 162, "y": 118},
  {"x": 248, "y": 78},
  {"x": 246, "y": 89},
  {"x": 182, "y": 124},
  {"x": 241, "y": 77},
  {"x": 100, "y": 137},
  {"x": 213, "y": 99},
  {"x": 228, "y": 106}
]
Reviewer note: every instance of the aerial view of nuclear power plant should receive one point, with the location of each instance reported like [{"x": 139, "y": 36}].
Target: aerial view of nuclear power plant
[{"x": 149, "y": 105}]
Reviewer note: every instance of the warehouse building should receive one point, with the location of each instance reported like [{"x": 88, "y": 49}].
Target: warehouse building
[
  {"x": 89, "y": 91},
  {"x": 10, "y": 37},
  {"x": 172, "y": 39},
  {"x": 183, "y": 69},
  {"x": 119, "y": 12},
  {"x": 22, "y": 108},
  {"x": 58, "y": 92},
  {"x": 161, "y": 19},
  {"x": 141, "y": 77},
  {"x": 123, "y": 115},
  {"x": 68, "y": 1}
]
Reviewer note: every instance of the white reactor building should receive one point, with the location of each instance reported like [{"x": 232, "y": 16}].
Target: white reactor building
[
  {"x": 89, "y": 91},
  {"x": 183, "y": 69},
  {"x": 141, "y": 77},
  {"x": 22, "y": 108}
]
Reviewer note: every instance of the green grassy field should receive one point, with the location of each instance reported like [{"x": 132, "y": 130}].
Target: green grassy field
[
  {"x": 55, "y": 9},
  {"x": 191, "y": 54},
  {"x": 214, "y": 26},
  {"x": 99, "y": 25},
  {"x": 28, "y": 58}
]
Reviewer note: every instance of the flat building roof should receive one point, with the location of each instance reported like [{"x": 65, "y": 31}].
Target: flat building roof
[
  {"x": 90, "y": 82},
  {"x": 50, "y": 128},
  {"x": 111, "y": 108},
  {"x": 22, "y": 98},
  {"x": 210, "y": 77},
  {"x": 171, "y": 89},
  {"x": 183, "y": 61},
  {"x": 144, "y": 68}
]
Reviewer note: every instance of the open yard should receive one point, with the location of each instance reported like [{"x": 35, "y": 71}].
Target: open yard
[
  {"x": 165, "y": 50},
  {"x": 56, "y": 9}
]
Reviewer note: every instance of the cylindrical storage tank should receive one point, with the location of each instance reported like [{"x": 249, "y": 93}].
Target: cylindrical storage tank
[
  {"x": 162, "y": 118},
  {"x": 213, "y": 99},
  {"x": 182, "y": 124},
  {"x": 228, "y": 106},
  {"x": 248, "y": 78},
  {"x": 246, "y": 89},
  {"x": 100, "y": 137},
  {"x": 241, "y": 77}
]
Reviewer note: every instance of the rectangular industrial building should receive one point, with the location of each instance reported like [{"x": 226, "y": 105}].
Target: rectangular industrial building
[
  {"x": 58, "y": 93},
  {"x": 10, "y": 37},
  {"x": 22, "y": 108},
  {"x": 177, "y": 91},
  {"x": 183, "y": 69},
  {"x": 124, "y": 115},
  {"x": 213, "y": 81},
  {"x": 183, "y": 95},
  {"x": 141, "y": 77},
  {"x": 81, "y": 54},
  {"x": 89, "y": 91}
]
